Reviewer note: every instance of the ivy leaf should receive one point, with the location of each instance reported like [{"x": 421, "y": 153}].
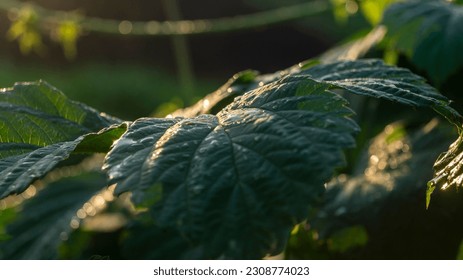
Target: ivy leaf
[
  {"x": 47, "y": 219},
  {"x": 429, "y": 33},
  {"x": 40, "y": 128}
]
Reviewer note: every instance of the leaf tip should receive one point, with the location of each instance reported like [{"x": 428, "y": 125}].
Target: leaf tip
[{"x": 430, "y": 189}]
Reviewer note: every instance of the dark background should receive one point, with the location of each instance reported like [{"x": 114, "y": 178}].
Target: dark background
[{"x": 134, "y": 76}]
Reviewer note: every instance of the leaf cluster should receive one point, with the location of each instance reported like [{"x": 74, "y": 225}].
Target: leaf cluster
[
  {"x": 264, "y": 158},
  {"x": 247, "y": 172}
]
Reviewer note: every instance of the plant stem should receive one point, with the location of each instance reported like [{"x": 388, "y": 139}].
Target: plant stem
[
  {"x": 186, "y": 27},
  {"x": 181, "y": 51}
]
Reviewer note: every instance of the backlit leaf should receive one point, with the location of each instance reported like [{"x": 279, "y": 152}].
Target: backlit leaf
[
  {"x": 448, "y": 169},
  {"x": 40, "y": 128}
]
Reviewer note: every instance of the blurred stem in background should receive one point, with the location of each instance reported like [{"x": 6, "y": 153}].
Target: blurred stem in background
[
  {"x": 278, "y": 15},
  {"x": 181, "y": 51},
  {"x": 67, "y": 27}
]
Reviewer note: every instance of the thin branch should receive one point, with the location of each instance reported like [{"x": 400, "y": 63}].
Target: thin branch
[
  {"x": 181, "y": 50},
  {"x": 181, "y": 27}
]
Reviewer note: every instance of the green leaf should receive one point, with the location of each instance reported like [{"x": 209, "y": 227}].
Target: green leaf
[
  {"x": 47, "y": 219},
  {"x": 448, "y": 170},
  {"x": 429, "y": 33},
  {"x": 390, "y": 173},
  {"x": 234, "y": 184},
  {"x": 40, "y": 128},
  {"x": 368, "y": 77},
  {"x": 289, "y": 133},
  {"x": 18, "y": 172},
  {"x": 430, "y": 189},
  {"x": 195, "y": 172},
  {"x": 34, "y": 115},
  {"x": 373, "y": 78},
  {"x": 102, "y": 141}
]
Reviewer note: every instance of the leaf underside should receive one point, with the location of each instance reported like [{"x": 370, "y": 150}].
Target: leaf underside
[
  {"x": 233, "y": 184},
  {"x": 429, "y": 33}
]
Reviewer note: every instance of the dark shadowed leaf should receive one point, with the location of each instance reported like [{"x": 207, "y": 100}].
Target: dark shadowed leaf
[
  {"x": 233, "y": 184},
  {"x": 392, "y": 171},
  {"x": 262, "y": 159},
  {"x": 132, "y": 150},
  {"x": 48, "y": 218},
  {"x": 429, "y": 33},
  {"x": 150, "y": 242}
]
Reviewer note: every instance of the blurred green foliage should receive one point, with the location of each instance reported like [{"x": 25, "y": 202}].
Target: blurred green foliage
[
  {"x": 67, "y": 34},
  {"x": 347, "y": 239},
  {"x": 25, "y": 29},
  {"x": 460, "y": 252},
  {"x": 7, "y": 215},
  {"x": 126, "y": 90}
]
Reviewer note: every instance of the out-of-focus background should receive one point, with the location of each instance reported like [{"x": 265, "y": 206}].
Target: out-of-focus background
[{"x": 131, "y": 76}]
